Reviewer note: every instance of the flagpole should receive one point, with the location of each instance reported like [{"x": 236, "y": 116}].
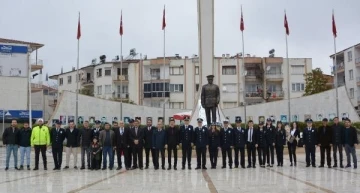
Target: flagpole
[
  {"x": 243, "y": 63},
  {"x": 77, "y": 77},
  {"x": 288, "y": 71},
  {"x": 164, "y": 28},
  {"x": 336, "y": 66},
  {"x": 121, "y": 69}
]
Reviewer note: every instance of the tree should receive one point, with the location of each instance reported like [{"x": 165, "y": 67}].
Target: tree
[{"x": 315, "y": 82}]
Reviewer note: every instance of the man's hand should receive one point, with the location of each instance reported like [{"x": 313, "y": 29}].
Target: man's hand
[
  {"x": 219, "y": 148},
  {"x": 273, "y": 144},
  {"x": 192, "y": 144},
  {"x": 136, "y": 141},
  {"x": 256, "y": 145},
  {"x": 166, "y": 146},
  {"x": 319, "y": 145},
  {"x": 177, "y": 147},
  {"x": 231, "y": 147},
  {"x": 94, "y": 153},
  {"x": 207, "y": 146}
]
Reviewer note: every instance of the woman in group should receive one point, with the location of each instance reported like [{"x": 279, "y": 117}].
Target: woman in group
[
  {"x": 292, "y": 142},
  {"x": 280, "y": 139},
  {"x": 214, "y": 144}
]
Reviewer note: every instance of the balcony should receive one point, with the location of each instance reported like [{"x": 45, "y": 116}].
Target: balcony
[
  {"x": 253, "y": 75},
  {"x": 87, "y": 82},
  {"x": 357, "y": 62},
  {"x": 36, "y": 87},
  {"x": 358, "y": 81},
  {"x": 121, "y": 78},
  {"x": 156, "y": 94},
  {"x": 274, "y": 77},
  {"x": 159, "y": 61},
  {"x": 358, "y": 99},
  {"x": 275, "y": 60},
  {"x": 275, "y": 95},
  {"x": 340, "y": 67},
  {"x": 253, "y": 60},
  {"x": 36, "y": 65},
  {"x": 254, "y": 95}
]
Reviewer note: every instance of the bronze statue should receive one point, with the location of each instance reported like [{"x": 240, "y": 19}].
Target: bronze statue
[{"x": 210, "y": 98}]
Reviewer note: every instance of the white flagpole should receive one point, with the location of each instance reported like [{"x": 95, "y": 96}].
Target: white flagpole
[
  {"x": 121, "y": 71},
  {"x": 77, "y": 81},
  {"x": 30, "y": 103},
  {"x": 335, "y": 71},
  {"x": 243, "y": 65},
  {"x": 164, "y": 94},
  {"x": 288, "y": 72}
]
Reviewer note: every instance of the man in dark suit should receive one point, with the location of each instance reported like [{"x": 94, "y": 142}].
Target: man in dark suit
[
  {"x": 128, "y": 152},
  {"x": 310, "y": 142},
  {"x": 239, "y": 143},
  {"x": 57, "y": 137},
  {"x": 337, "y": 141},
  {"x": 227, "y": 143},
  {"x": 325, "y": 141},
  {"x": 148, "y": 132},
  {"x": 137, "y": 140},
  {"x": 159, "y": 145},
  {"x": 120, "y": 143},
  {"x": 173, "y": 138},
  {"x": 250, "y": 144},
  {"x": 96, "y": 133},
  {"x": 201, "y": 143},
  {"x": 270, "y": 140},
  {"x": 186, "y": 140},
  {"x": 350, "y": 140}
]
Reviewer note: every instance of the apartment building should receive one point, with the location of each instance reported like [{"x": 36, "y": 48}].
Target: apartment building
[
  {"x": 348, "y": 71},
  {"x": 175, "y": 80}
]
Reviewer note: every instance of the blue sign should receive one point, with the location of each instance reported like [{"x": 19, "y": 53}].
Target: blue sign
[
  {"x": 21, "y": 114},
  {"x": 10, "y": 49}
]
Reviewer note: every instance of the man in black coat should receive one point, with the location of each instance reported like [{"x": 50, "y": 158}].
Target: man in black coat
[
  {"x": 337, "y": 141},
  {"x": 137, "y": 140},
  {"x": 120, "y": 143},
  {"x": 250, "y": 144},
  {"x": 310, "y": 142},
  {"x": 25, "y": 145},
  {"x": 350, "y": 140},
  {"x": 227, "y": 143},
  {"x": 239, "y": 143},
  {"x": 186, "y": 141},
  {"x": 86, "y": 135},
  {"x": 270, "y": 140},
  {"x": 173, "y": 138},
  {"x": 159, "y": 144},
  {"x": 325, "y": 141},
  {"x": 57, "y": 137},
  {"x": 72, "y": 144},
  {"x": 128, "y": 153},
  {"x": 261, "y": 144},
  {"x": 11, "y": 141},
  {"x": 148, "y": 132},
  {"x": 201, "y": 135}
]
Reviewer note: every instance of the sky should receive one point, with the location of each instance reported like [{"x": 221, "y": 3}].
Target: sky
[{"x": 54, "y": 23}]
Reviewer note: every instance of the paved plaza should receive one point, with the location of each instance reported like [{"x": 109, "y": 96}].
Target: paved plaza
[{"x": 285, "y": 179}]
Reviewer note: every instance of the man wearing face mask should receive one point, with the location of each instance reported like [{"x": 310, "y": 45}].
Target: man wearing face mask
[{"x": 40, "y": 139}]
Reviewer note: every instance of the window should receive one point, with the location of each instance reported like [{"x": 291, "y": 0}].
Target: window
[
  {"x": 351, "y": 74},
  {"x": 196, "y": 70},
  {"x": 176, "y": 105},
  {"x": 298, "y": 87},
  {"x": 155, "y": 73},
  {"x": 253, "y": 87},
  {"x": 298, "y": 69},
  {"x": 61, "y": 81},
  {"x": 108, "y": 88},
  {"x": 197, "y": 87},
  {"x": 107, "y": 72},
  {"x": 69, "y": 79},
  {"x": 156, "y": 90},
  {"x": 176, "y": 70},
  {"x": 230, "y": 88},
  {"x": 176, "y": 87},
  {"x": 229, "y": 70},
  {"x": 229, "y": 105},
  {"x": 271, "y": 88},
  {"x": 351, "y": 92},
  {"x": 99, "y": 72},
  {"x": 124, "y": 71},
  {"x": 274, "y": 70},
  {"x": 349, "y": 56},
  {"x": 99, "y": 90}
]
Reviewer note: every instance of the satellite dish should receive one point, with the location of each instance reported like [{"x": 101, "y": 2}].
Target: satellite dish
[
  {"x": 245, "y": 73},
  {"x": 268, "y": 68},
  {"x": 272, "y": 51}
]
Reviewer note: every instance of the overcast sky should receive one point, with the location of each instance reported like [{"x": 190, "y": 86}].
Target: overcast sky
[{"x": 54, "y": 23}]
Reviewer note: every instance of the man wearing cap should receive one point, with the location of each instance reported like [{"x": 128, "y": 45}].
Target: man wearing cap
[
  {"x": 325, "y": 141},
  {"x": 201, "y": 143},
  {"x": 40, "y": 139},
  {"x": 148, "y": 142},
  {"x": 186, "y": 141},
  {"x": 72, "y": 144},
  {"x": 310, "y": 142},
  {"x": 86, "y": 136},
  {"x": 172, "y": 139},
  {"x": 270, "y": 140},
  {"x": 239, "y": 143},
  {"x": 57, "y": 137},
  {"x": 350, "y": 140},
  {"x": 210, "y": 98},
  {"x": 96, "y": 133},
  {"x": 337, "y": 141},
  {"x": 227, "y": 143},
  {"x": 11, "y": 141},
  {"x": 137, "y": 140},
  {"x": 250, "y": 144}
]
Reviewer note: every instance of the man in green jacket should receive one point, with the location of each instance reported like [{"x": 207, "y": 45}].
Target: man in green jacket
[{"x": 40, "y": 139}]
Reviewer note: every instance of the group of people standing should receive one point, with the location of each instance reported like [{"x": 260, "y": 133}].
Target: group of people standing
[{"x": 99, "y": 146}]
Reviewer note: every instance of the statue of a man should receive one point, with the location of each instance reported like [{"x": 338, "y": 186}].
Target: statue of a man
[{"x": 210, "y": 98}]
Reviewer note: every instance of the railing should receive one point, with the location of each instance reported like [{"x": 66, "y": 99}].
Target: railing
[
  {"x": 276, "y": 94},
  {"x": 253, "y": 73},
  {"x": 357, "y": 79},
  {"x": 87, "y": 81},
  {"x": 254, "y": 94},
  {"x": 341, "y": 84},
  {"x": 357, "y": 60},
  {"x": 274, "y": 75},
  {"x": 340, "y": 66},
  {"x": 36, "y": 62},
  {"x": 122, "y": 95},
  {"x": 195, "y": 60},
  {"x": 122, "y": 77},
  {"x": 358, "y": 99}
]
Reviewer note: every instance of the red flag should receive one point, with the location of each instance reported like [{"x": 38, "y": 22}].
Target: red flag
[
  {"x": 121, "y": 25},
  {"x": 79, "y": 29},
  {"x": 334, "y": 26},
  {"x": 163, "y": 20},
  {"x": 286, "y": 25},
  {"x": 242, "y": 27}
]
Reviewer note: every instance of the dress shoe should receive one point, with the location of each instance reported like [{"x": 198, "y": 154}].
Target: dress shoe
[
  {"x": 183, "y": 168},
  {"x": 243, "y": 167},
  {"x": 118, "y": 168},
  {"x": 197, "y": 168},
  {"x": 329, "y": 166},
  {"x": 147, "y": 167},
  {"x": 254, "y": 166},
  {"x": 271, "y": 165},
  {"x": 291, "y": 164},
  {"x": 204, "y": 168},
  {"x": 141, "y": 168},
  {"x": 236, "y": 166},
  {"x": 268, "y": 165},
  {"x": 169, "y": 168},
  {"x": 55, "y": 168},
  {"x": 314, "y": 166},
  {"x": 230, "y": 167},
  {"x": 189, "y": 167},
  {"x": 156, "y": 168},
  {"x": 341, "y": 166},
  {"x": 355, "y": 167},
  {"x": 75, "y": 167},
  {"x": 248, "y": 166},
  {"x": 335, "y": 166},
  {"x": 163, "y": 168},
  {"x": 21, "y": 168},
  {"x": 16, "y": 168},
  {"x": 307, "y": 165},
  {"x": 348, "y": 166},
  {"x": 36, "y": 168},
  {"x": 82, "y": 168},
  {"x": 223, "y": 167},
  {"x": 45, "y": 168},
  {"x": 321, "y": 166},
  {"x": 111, "y": 168},
  {"x": 103, "y": 169},
  {"x": 66, "y": 167},
  {"x": 7, "y": 168},
  {"x": 175, "y": 168}
]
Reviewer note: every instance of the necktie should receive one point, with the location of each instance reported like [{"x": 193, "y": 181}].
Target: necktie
[
  {"x": 57, "y": 130},
  {"x": 149, "y": 128},
  {"x": 186, "y": 127},
  {"x": 136, "y": 131}
]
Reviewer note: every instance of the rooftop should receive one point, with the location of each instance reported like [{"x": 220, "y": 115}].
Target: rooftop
[
  {"x": 342, "y": 51},
  {"x": 33, "y": 45}
]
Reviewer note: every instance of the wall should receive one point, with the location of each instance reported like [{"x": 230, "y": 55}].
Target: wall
[
  {"x": 41, "y": 102},
  {"x": 14, "y": 93}
]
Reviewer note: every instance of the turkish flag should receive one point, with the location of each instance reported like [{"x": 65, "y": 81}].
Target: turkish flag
[
  {"x": 242, "y": 27},
  {"x": 334, "y": 26},
  {"x": 121, "y": 25},
  {"x": 286, "y": 25},
  {"x": 79, "y": 29},
  {"x": 163, "y": 20}
]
